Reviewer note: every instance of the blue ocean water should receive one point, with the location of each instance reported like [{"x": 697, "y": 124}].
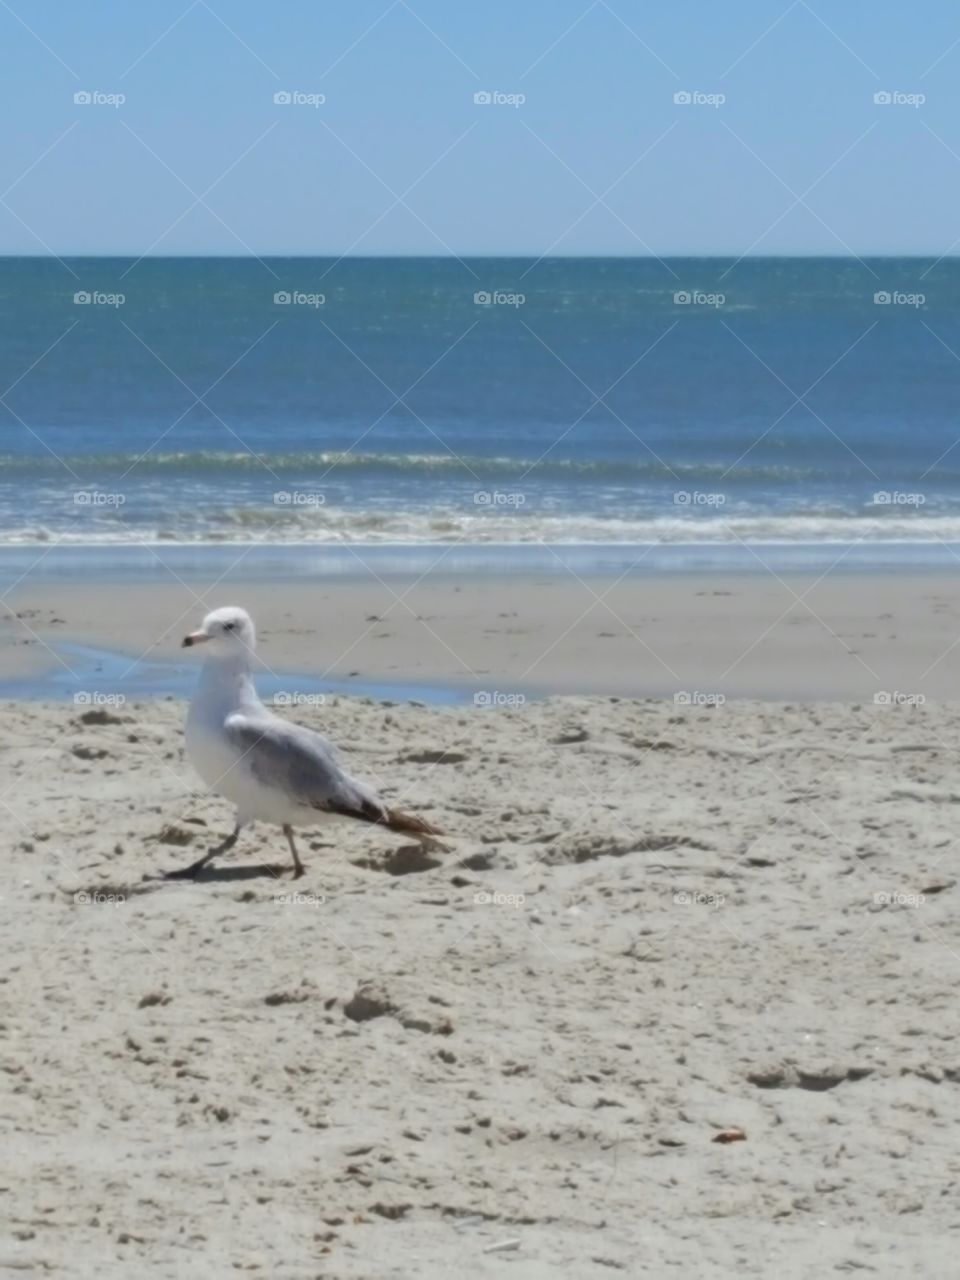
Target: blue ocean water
[{"x": 420, "y": 401}]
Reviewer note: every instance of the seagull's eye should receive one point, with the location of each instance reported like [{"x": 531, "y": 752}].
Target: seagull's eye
[{"x": 229, "y": 626}]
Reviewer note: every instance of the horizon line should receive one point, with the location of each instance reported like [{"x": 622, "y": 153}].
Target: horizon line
[{"x": 480, "y": 257}]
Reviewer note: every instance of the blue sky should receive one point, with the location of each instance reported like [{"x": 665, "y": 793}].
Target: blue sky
[{"x": 598, "y": 159}]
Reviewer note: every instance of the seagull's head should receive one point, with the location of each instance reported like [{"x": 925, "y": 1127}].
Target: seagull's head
[{"x": 225, "y": 632}]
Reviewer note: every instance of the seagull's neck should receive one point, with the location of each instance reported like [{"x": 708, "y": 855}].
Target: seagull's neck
[{"x": 227, "y": 682}]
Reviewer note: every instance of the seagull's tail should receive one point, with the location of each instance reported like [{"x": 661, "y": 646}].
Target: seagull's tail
[{"x": 397, "y": 820}]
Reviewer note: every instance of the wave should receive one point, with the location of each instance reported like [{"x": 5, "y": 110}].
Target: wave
[{"x": 319, "y": 527}]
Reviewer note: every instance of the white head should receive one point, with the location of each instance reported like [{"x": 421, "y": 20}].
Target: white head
[{"x": 227, "y": 632}]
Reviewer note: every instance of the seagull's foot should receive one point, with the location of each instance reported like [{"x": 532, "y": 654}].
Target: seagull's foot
[
  {"x": 298, "y": 871},
  {"x": 193, "y": 870},
  {"x": 430, "y": 844}
]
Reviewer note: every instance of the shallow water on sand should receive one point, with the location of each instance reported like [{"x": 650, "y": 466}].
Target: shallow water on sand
[{"x": 92, "y": 677}]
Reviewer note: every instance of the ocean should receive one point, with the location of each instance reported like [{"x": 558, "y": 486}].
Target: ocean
[{"x": 598, "y": 403}]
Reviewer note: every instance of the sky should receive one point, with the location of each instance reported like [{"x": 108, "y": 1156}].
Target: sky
[{"x": 582, "y": 148}]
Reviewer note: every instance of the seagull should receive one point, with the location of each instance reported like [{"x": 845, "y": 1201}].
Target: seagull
[{"x": 272, "y": 770}]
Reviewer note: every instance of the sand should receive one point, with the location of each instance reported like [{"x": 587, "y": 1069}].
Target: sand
[
  {"x": 840, "y": 637},
  {"x": 513, "y": 1059}
]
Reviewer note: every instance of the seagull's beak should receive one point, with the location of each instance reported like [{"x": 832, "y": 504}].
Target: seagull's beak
[{"x": 195, "y": 637}]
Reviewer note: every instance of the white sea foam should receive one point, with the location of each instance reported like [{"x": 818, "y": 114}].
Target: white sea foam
[{"x": 370, "y": 526}]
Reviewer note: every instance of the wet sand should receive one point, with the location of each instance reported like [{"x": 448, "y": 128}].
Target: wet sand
[{"x": 839, "y": 637}]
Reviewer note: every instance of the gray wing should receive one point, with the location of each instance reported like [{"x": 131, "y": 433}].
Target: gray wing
[{"x": 302, "y": 764}]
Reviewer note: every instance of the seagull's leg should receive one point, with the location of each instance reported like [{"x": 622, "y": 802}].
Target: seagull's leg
[
  {"x": 297, "y": 864},
  {"x": 187, "y": 873}
]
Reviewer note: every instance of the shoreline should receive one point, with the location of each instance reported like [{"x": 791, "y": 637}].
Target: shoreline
[
  {"x": 712, "y": 636},
  {"x": 252, "y": 560}
]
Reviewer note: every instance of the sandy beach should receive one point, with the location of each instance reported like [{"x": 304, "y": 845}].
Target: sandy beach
[
  {"x": 564, "y": 396},
  {"x": 841, "y": 637},
  {"x": 654, "y": 925}
]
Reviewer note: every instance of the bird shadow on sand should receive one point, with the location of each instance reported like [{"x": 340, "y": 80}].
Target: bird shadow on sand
[
  {"x": 225, "y": 875},
  {"x": 402, "y": 861}
]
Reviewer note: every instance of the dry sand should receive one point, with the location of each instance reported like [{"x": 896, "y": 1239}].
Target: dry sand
[{"x": 655, "y": 924}]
